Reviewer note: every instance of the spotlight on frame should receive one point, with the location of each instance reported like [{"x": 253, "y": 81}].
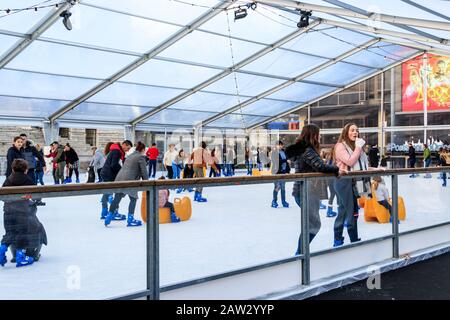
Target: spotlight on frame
[
  {"x": 304, "y": 19},
  {"x": 66, "y": 19},
  {"x": 240, "y": 13}
]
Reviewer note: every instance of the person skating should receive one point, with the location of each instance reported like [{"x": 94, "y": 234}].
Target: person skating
[
  {"x": 134, "y": 168},
  {"x": 24, "y": 233},
  {"x": 40, "y": 167},
  {"x": 60, "y": 160},
  {"x": 330, "y": 184},
  {"x": 98, "y": 160},
  {"x": 52, "y": 154},
  {"x": 280, "y": 165},
  {"x": 72, "y": 162},
  {"x": 412, "y": 159},
  {"x": 201, "y": 157},
  {"x": 110, "y": 170},
  {"x": 305, "y": 154},
  {"x": 169, "y": 158},
  {"x": 427, "y": 159},
  {"x": 152, "y": 155},
  {"x": 177, "y": 164},
  {"x": 443, "y": 163},
  {"x": 230, "y": 156},
  {"x": 30, "y": 154}
]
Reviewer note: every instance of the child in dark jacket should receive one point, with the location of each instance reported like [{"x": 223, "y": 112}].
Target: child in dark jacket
[{"x": 24, "y": 233}]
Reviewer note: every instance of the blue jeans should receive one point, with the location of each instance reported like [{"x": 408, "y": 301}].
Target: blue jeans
[
  {"x": 444, "y": 179},
  {"x": 249, "y": 166},
  {"x": 229, "y": 171},
  {"x": 40, "y": 177},
  {"x": 152, "y": 168},
  {"x": 347, "y": 210},
  {"x": 176, "y": 171},
  {"x": 279, "y": 186}
]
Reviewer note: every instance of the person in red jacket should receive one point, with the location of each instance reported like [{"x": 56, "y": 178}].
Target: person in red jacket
[
  {"x": 52, "y": 154},
  {"x": 152, "y": 154}
]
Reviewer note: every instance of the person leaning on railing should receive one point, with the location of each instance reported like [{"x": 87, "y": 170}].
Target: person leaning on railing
[{"x": 305, "y": 154}]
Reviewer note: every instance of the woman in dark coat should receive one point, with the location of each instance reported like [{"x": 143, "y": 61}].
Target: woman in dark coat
[
  {"x": 24, "y": 232},
  {"x": 305, "y": 153},
  {"x": 72, "y": 162},
  {"x": 13, "y": 153}
]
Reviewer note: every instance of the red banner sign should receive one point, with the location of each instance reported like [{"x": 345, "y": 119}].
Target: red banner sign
[{"x": 437, "y": 72}]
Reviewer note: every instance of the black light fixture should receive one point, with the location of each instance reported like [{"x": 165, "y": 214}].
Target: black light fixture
[
  {"x": 240, "y": 13},
  {"x": 304, "y": 19},
  {"x": 66, "y": 21}
]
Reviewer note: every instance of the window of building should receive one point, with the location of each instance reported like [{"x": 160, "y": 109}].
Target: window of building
[
  {"x": 64, "y": 133},
  {"x": 91, "y": 136}
]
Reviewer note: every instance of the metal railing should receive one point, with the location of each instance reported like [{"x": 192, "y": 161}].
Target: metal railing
[{"x": 151, "y": 188}]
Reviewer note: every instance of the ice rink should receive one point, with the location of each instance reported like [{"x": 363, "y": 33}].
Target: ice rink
[{"x": 236, "y": 228}]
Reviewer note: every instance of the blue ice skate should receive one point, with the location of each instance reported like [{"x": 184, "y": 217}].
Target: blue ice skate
[
  {"x": 23, "y": 260},
  {"x": 3, "y": 250},
  {"x": 131, "y": 222}
]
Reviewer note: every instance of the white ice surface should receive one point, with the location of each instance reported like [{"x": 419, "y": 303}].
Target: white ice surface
[{"x": 236, "y": 228}]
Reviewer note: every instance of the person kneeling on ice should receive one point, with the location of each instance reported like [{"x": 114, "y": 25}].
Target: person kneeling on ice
[
  {"x": 382, "y": 194},
  {"x": 164, "y": 203},
  {"x": 134, "y": 168},
  {"x": 24, "y": 233}
]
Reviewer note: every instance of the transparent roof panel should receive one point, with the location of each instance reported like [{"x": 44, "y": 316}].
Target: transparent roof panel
[
  {"x": 135, "y": 95},
  {"x": 284, "y": 63},
  {"x": 248, "y": 85},
  {"x": 236, "y": 121},
  {"x": 178, "y": 117},
  {"x": 210, "y": 49},
  {"x": 165, "y": 10},
  {"x": 203, "y": 101},
  {"x": 337, "y": 40},
  {"x": 6, "y": 43},
  {"x": 399, "y": 8},
  {"x": 22, "y": 21},
  {"x": 69, "y": 60},
  {"x": 105, "y": 112},
  {"x": 340, "y": 74},
  {"x": 37, "y": 85},
  {"x": 113, "y": 30},
  {"x": 301, "y": 92},
  {"x": 439, "y": 6},
  {"x": 275, "y": 27},
  {"x": 163, "y": 73},
  {"x": 266, "y": 107},
  {"x": 28, "y": 107},
  {"x": 381, "y": 55}
]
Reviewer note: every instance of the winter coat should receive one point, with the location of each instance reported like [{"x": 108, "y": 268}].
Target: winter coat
[
  {"x": 23, "y": 228},
  {"x": 60, "y": 155},
  {"x": 374, "y": 157},
  {"x": 307, "y": 160},
  {"x": 71, "y": 156},
  {"x": 12, "y": 154},
  {"x": 134, "y": 168},
  {"x": 277, "y": 163},
  {"x": 30, "y": 154},
  {"x": 412, "y": 153},
  {"x": 98, "y": 160},
  {"x": 112, "y": 163},
  {"x": 53, "y": 156},
  {"x": 41, "y": 164}
]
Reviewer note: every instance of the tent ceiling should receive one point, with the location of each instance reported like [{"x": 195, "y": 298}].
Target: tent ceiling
[{"x": 172, "y": 63}]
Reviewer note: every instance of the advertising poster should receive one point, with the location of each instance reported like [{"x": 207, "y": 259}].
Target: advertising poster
[{"x": 437, "y": 72}]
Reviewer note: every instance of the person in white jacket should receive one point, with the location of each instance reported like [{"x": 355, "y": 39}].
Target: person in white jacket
[
  {"x": 231, "y": 155},
  {"x": 169, "y": 157}
]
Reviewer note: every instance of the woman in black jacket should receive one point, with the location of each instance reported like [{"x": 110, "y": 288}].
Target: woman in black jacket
[
  {"x": 24, "y": 233},
  {"x": 305, "y": 154},
  {"x": 72, "y": 162},
  {"x": 13, "y": 153}
]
